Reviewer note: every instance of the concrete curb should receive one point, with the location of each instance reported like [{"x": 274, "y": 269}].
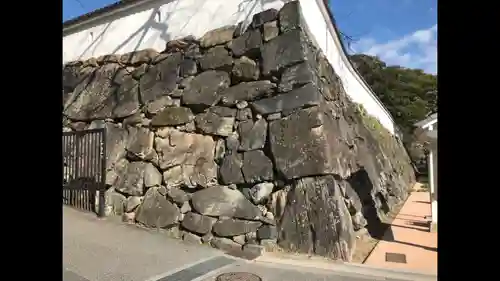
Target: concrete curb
[{"x": 349, "y": 268}]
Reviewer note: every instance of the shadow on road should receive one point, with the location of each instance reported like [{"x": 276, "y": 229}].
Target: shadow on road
[
  {"x": 389, "y": 237},
  {"x": 409, "y": 227}
]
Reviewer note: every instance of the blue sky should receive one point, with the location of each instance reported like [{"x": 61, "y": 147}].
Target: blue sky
[
  {"x": 75, "y": 8},
  {"x": 400, "y": 32}
]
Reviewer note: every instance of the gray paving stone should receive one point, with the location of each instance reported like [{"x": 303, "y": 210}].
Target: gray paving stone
[{"x": 198, "y": 270}]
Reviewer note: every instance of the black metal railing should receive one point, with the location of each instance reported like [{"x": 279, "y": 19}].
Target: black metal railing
[{"x": 84, "y": 169}]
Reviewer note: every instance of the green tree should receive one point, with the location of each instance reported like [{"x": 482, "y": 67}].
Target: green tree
[{"x": 410, "y": 95}]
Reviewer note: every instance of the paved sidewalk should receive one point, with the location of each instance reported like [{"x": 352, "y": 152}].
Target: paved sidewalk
[
  {"x": 409, "y": 235},
  {"x": 307, "y": 263},
  {"x": 106, "y": 250},
  {"x": 270, "y": 271}
]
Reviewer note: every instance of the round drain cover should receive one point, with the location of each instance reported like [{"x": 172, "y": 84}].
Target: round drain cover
[{"x": 238, "y": 276}]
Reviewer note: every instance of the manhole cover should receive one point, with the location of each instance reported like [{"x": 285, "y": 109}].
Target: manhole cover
[
  {"x": 395, "y": 257},
  {"x": 238, "y": 276}
]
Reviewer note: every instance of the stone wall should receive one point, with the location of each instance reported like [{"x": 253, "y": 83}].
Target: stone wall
[{"x": 239, "y": 140}]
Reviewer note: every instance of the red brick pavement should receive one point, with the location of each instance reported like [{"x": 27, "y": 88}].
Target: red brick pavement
[{"x": 409, "y": 235}]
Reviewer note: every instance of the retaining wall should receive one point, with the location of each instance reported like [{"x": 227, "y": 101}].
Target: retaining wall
[{"x": 239, "y": 140}]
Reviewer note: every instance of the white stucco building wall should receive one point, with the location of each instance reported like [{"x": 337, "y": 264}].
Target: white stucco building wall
[
  {"x": 152, "y": 23},
  {"x": 433, "y": 172},
  {"x": 430, "y": 127}
]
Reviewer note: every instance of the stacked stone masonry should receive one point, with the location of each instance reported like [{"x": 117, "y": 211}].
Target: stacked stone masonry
[{"x": 243, "y": 140}]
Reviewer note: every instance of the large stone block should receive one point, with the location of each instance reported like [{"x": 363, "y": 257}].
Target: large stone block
[
  {"x": 188, "y": 67},
  {"x": 172, "y": 116},
  {"x": 257, "y": 167},
  {"x": 220, "y": 201},
  {"x": 152, "y": 176},
  {"x": 136, "y": 58},
  {"x": 160, "y": 79},
  {"x": 216, "y": 58},
  {"x": 230, "y": 169},
  {"x": 290, "y": 16},
  {"x": 316, "y": 220},
  {"x": 260, "y": 192},
  {"x": 74, "y": 75},
  {"x": 159, "y": 104},
  {"x": 299, "y": 144},
  {"x": 270, "y": 30},
  {"x": 247, "y": 91},
  {"x": 285, "y": 50},
  {"x": 245, "y": 69},
  {"x": 115, "y": 202},
  {"x": 252, "y": 134},
  {"x": 116, "y": 142},
  {"x": 201, "y": 174},
  {"x": 204, "y": 89},
  {"x": 109, "y": 92},
  {"x": 296, "y": 76},
  {"x": 305, "y": 96},
  {"x": 180, "y": 148},
  {"x": 116, "y": 171},
  {"x": 217, "y": 36},
  {"x": 140, "y": 143},
  {"x": 247, "y": 44},
  {"x": 197, "y": 223},
  {"x": 263, "y": 17},
  {"x": 226, "y": 245},
  {"x": 232, "y": 227},
  {"x": 132, "y": 181},
  {"x": 215, "y": 122},
  {"x": 156, "y": 211}
]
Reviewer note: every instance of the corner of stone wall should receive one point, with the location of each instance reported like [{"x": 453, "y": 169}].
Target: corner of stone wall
[{"x": 241, "y": 140}]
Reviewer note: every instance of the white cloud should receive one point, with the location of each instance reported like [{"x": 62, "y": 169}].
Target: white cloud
[{"x": 415, "y": 50}]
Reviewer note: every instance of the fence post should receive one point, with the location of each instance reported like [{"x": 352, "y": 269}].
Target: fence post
[
  {"x": 77, "y": 155},
  {"x": 101, "y": 210},
  {"x": 102, "y": 185}
]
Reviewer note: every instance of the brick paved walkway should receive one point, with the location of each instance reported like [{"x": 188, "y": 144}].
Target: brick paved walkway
[{"x": 409, "y": 235}]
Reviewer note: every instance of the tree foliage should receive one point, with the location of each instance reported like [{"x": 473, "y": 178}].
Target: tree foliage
[{"x": 410, "y": 95}]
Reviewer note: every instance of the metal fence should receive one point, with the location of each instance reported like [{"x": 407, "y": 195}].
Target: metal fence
[{"x": 84, "y": 169}]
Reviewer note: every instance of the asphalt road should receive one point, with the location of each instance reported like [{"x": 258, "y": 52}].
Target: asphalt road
[{"x": 107, "y": 250}]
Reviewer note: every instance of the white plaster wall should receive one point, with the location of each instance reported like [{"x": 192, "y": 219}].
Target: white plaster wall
[
  {"x": 139, "y": 27},
  {"x": 316, "y": 18},
  {"x": 435, "y": 167},
  {"x": 434, "y": 148},
  {"x": 152, "y": 24}
]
